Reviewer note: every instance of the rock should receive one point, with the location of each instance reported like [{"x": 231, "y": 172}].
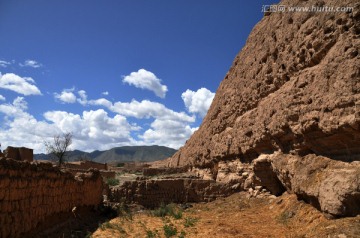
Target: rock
[
  {"x": 235, "y": 186},
  {"x": 331, "y": 186},
  {"x": 258, "y": 188}
]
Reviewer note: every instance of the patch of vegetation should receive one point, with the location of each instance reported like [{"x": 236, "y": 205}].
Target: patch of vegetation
[
  {"x": 113, "y": 226},
  {"x": 112, "y": 181},
  {"x": 190, "y": 221},
  {"x": 169, "y": 230},
  {"x": 182, "y": 234},
  {"x": 152, "y": 234},
  {"x": 123, "y": 210},
  {"x": 168, "y": 210},
  {"x": 285, "y": 217},
  {"x": 120, "y": 164}
]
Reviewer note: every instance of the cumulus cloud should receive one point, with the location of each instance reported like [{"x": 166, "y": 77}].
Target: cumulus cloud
[
  {"x": 31, "y": 63},
  {"x": 93, "y": 129},
  {"x": 83, "y": 97},
  {"x": 167, "y": 132},
  {"x": 4, "y": 63},
  {"x": 143, "y": 109},
  {"x": 16, "y": 108},
  {"x": 2, "y": 98},
  {"x": 21, "y": 85},
  {"x": 198, "y": 102},
  {"x": 66, "y": 96},
  {"x": 105, "y": 93},
  {"x": 96, "y": 129},
  {"x": 146, "y": 80}
]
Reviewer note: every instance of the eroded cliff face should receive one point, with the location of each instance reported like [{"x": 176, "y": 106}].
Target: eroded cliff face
[{"x": 294, "y": 87}]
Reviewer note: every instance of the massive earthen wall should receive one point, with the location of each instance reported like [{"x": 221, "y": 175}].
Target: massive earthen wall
[
  {"x": 294, "y": 87},
  {"x": 30, "y": 194}
]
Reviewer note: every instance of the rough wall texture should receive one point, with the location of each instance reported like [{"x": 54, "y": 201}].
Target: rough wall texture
[
  {"x": 294, "y": 87},
  {"x": 151, "y": 193},
  {"x": 29, "y": 194}
]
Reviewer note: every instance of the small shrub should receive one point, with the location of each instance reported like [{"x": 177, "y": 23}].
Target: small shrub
[
  {"x": 169, "y": 230},
  {"x": 112, "y": 181},
  {"x": 152, "y": 234},
  {"x": 120, "y": 164},
  {"x": 108, "y": 225},
  {"x": 190, "y": 221},
  {"x": 168, "y": 210},
  {"x": 285, "y": 217},
  {"x": 182, "y": 234}
]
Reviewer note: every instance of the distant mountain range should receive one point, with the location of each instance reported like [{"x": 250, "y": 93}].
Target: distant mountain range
[{"x": 119, "y": 154}]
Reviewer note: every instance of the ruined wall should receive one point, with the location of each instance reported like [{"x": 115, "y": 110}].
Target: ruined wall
[
  {"x": 104, "y": 173},
  {"x": 161, "y": 171},
  {"x": 30, "y": 194},
  {"x": 151, "y": 193},
  {"x": 86, "y": 165},
  {"x": 19, "y": 153}
]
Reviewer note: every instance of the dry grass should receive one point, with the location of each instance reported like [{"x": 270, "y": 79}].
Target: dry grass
[{"x": 237, "y": 216}]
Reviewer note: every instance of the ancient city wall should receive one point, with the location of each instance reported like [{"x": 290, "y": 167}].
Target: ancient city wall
[
  {"x": 151, "y": 193},
  {"x": 30, "y": 194}
]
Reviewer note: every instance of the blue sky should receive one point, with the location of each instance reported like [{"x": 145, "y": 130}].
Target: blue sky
[{"x": 114, "y": 72}]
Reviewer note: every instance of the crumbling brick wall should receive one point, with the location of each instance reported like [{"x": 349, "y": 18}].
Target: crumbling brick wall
[
  {"x": 30, "y": 193},
  {"x": 151, "y": 193}
]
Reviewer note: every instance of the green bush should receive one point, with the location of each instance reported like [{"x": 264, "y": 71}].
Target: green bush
[
  {"x": 168, "y": 210},
  {"x": 169, "y": 230},
  {"x": 151, "y": 234},
  {"x": 120, "y": 164},
  {"x": 112, "y": 181},
  {"x": 190, "y": 221}
]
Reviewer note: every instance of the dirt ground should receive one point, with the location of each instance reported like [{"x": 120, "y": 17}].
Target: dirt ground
[{"x": 235, "y": 216}]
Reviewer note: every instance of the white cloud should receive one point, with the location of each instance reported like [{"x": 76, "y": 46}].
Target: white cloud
[
  {"x": 66, "y": 96},
  {"x": 83, "y": 97},
  {"x": 168, "y": 133},
  {"x": 198, "y": 102},
  {"x": 31, "y": 63},
  {"x": 146, "y": 80},
  {"x": 2, "y": 98},
  {"x": 4, "y": 63},
  {"x": 15, "y": 109},
  {"x": 105, "y": 93},
  {"x": 93, "y": 129},
  {"x": 21, "y": 85},
  {"x": 143, "y": 109}
]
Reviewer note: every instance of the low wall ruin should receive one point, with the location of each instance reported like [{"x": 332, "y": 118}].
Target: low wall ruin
[
  {"x": 152, "y": 193},
  {"x": 86, "y": 165},
  {"x": 30, "y": 194}
]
